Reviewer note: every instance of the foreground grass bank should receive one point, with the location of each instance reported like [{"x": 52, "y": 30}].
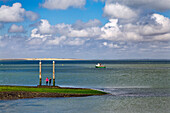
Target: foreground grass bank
[{"x": 20, "y": 92}]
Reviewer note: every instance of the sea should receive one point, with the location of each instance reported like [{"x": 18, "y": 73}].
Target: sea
[{"x": 134, "y": 86}]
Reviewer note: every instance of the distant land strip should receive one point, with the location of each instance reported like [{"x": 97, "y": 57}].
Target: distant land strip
[{"x": 41, "y": 59}]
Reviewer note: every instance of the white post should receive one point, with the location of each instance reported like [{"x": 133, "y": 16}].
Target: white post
[
  {"x": 53, "y": 73},
  {"x": 40, "y": 73}
]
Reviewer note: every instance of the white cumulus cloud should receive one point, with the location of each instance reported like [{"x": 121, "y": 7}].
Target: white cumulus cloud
[
  {"x": 157, "y": 28},
  {"x": 111, "y": 30},
  {"x": 45, "y": 27},
  {"x": 89, "y": 30},
  {"x": 35, "y": 34},
  {"x": 15, "y": 13},
  {"x": 119, "y": 11},
  {"x": 12, "y": 14},
  {"x": 63, "y": 4},
  {"x": 144, "y": 4}
]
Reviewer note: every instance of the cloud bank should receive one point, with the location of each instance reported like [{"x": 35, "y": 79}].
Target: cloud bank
[{"x": 157, "y": 28}]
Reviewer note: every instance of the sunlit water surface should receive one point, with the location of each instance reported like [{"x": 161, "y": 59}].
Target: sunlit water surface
[{"x": 134, "y": 86}]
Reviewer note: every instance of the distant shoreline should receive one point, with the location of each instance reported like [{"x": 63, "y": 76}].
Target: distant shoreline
[
  {"x": 37, "y": 59},
  {"x": 41, "y": 59}
]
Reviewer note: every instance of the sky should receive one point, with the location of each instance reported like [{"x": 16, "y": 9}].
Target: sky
[{"x": 85, "y": 29}]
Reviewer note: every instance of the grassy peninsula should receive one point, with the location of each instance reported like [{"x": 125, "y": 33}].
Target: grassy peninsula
[{"x": 21, "y": 92}]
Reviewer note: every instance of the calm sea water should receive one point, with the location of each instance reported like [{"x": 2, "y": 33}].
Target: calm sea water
[{"x": 134, "y": 86}]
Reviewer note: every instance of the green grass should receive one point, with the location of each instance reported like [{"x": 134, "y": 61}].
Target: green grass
[{"x": 50, "y": 90}]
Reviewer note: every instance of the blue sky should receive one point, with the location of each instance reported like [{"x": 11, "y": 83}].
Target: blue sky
[{"x": 85, "y": 29}]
